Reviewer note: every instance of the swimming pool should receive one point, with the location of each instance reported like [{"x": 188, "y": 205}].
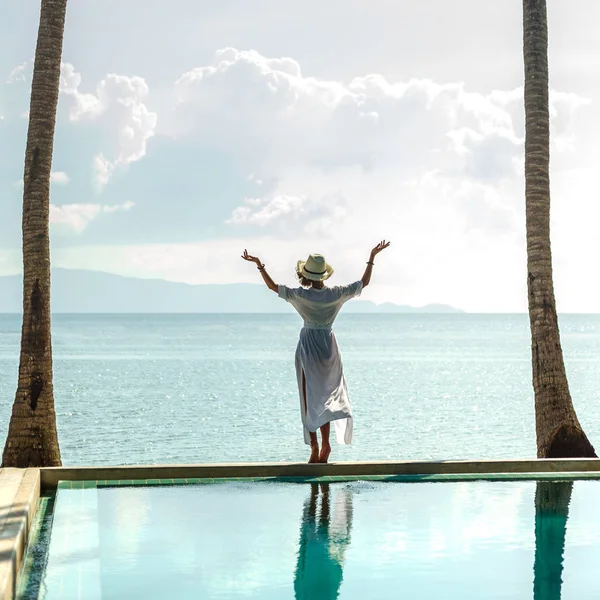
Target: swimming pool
[{"x": 359, "y": 539}]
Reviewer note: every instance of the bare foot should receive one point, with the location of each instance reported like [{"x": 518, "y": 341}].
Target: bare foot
[
  {"x": 325, "y": 452},
  {"x": 314, "y": 453}
]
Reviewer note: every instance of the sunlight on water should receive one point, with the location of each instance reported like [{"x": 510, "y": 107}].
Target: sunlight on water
[
  {"x": 510, "y": 540},
  {"x": 212, "y": 388}
]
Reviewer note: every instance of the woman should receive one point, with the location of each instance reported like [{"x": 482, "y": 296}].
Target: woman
[{"x": 321, "y": 382}]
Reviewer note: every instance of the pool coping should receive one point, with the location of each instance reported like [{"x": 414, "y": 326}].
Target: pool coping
[
  {"x": 52, "y": 475},
  {"x": 19, "y": 495}
]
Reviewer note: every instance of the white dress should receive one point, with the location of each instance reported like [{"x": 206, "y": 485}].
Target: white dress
[{"x": 318, "y": 356}]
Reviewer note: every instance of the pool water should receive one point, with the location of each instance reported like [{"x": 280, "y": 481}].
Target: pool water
[{"x": 355, "y": 540}]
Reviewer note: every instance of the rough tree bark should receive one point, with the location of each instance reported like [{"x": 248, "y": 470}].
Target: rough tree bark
[
  {"x": 32, "y": 437},
  {"x": 559, "y": 433}
]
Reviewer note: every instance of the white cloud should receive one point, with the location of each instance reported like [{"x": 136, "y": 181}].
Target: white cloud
[
  {"x": 251, "y": 177},
  {"x": 266, "y": 107},
  {"x": 103, "y": 170},
  {"x": 262, "y": 213},
  {"x": 366, "y": 141},
  {"x": 428, "y": 165},
  {"x": 59, "y": 177},
  {"x": 436, "y": 167},
  {"x": 291, "y": 213},
  {"x": 77, "y": 217},
  {"x": 117, "y": 207},
  {"x": 563, "y": 108},
  {"x": 120, "y": 101},
  {"x": 19, "y": 73},
  {"x": 83, "y": 104}
]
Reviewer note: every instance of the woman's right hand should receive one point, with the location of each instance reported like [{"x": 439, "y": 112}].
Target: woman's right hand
[
  {"x": 381, "y": 246},
  {"x": 249, "y": 258}
]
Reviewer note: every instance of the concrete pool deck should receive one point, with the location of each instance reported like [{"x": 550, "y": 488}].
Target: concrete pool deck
[
  {"x": 19, "y": 494},
  {"x": 20, "y": 489}
]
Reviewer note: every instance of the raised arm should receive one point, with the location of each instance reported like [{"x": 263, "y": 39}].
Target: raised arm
[
  {"x": 261, "y": 267},
  {"x": 366, "y": 278}
]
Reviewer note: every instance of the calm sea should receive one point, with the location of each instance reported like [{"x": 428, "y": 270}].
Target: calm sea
[{"x": 210, "y": 388}]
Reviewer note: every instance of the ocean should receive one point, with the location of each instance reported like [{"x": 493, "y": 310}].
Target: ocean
[{"x": 141, "y": 389}]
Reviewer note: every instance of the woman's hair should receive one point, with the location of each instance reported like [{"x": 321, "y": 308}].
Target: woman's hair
[{"x": 304, "y": 282}]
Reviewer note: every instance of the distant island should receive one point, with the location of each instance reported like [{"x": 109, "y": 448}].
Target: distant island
[{"x": 79, "y": 291}]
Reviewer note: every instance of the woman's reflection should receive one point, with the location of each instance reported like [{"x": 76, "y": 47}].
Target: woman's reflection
[
  {"x": 551, "y": 513},
  {"x": 324, "y": 538}
]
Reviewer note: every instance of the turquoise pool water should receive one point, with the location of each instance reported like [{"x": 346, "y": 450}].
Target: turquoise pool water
[{"x": 367, "y": 540}]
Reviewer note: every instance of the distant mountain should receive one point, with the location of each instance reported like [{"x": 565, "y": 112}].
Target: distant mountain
[{"x": 96, "y": 292}]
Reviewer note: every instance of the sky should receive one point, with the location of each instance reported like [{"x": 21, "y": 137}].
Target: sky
[{"x": 191, "y": 130}]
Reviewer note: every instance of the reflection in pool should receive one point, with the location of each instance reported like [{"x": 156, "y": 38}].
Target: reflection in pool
[
  {"x": 323, "y": 542},
  {"x": 551, "y": 513},
  {"x": 467, "y": 541}
]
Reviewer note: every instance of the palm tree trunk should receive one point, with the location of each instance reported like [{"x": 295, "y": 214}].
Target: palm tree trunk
[
  {"x": 559, "y": 433},
  {"x": 551, "y": 512},
  {"x": 32, "y": 438}
]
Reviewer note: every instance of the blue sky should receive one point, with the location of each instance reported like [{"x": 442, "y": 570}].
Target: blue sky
[{"x": 190, "y": 131}]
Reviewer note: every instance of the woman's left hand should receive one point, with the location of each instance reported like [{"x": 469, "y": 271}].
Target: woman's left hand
[
  {"x": 253, "y": 259},
  {"x": 381, "y": 246}
]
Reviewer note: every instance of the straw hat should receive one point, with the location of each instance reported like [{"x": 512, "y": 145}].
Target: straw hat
[{"x": 315, "y": 268}]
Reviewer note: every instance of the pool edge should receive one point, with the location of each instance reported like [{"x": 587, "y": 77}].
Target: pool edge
[{"x": 50, "y": 476}]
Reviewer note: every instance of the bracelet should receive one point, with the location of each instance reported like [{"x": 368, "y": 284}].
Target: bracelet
[
  {"x": 371, "y": 263},
  {"x": 262, "y": 267}
]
